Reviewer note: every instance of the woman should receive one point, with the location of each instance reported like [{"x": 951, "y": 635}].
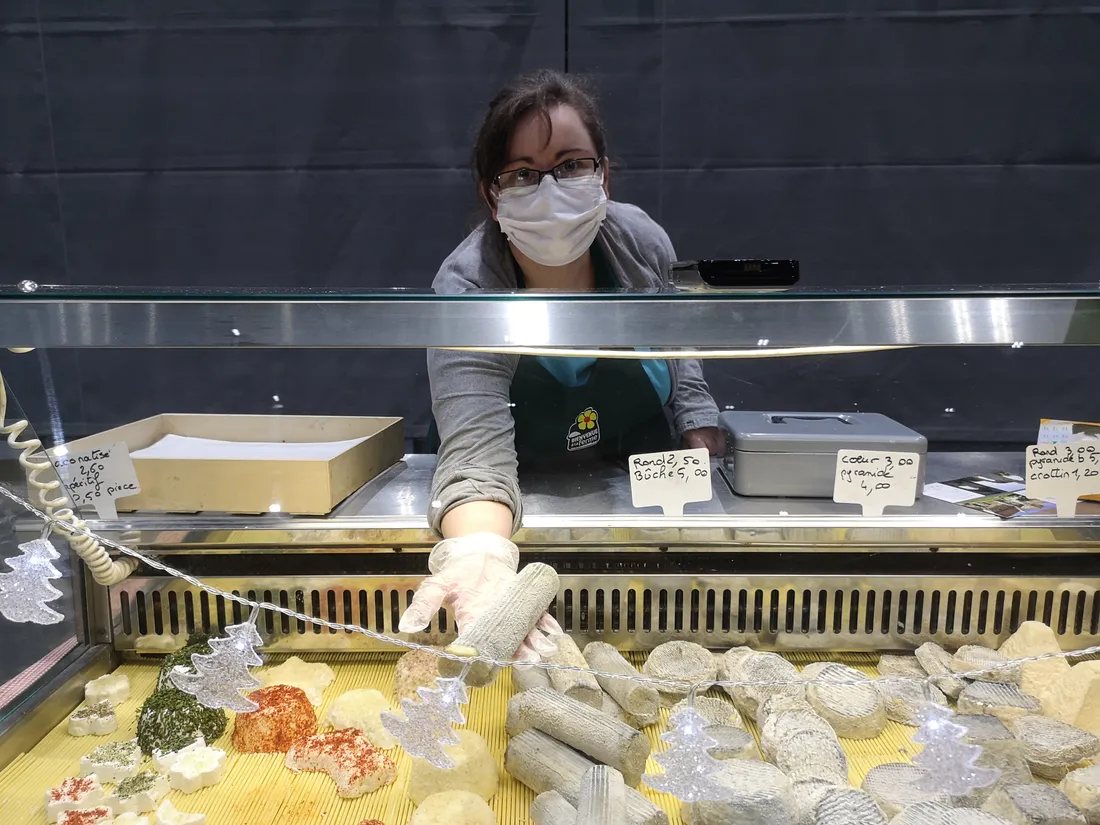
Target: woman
[{"x": 542, "y": 171}]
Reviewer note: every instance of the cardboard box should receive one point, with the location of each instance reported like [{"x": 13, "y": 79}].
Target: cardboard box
[{"x": 298, "y": 486}]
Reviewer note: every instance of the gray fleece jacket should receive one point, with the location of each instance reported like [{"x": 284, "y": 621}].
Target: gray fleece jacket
[{"x": 470, "y": 391}]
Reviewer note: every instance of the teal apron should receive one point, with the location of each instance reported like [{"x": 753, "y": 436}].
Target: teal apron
[{"x": 614, "y": 414}]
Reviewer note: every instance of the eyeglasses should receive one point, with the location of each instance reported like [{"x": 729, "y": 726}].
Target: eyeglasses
[{"x": 568, "y": 170}]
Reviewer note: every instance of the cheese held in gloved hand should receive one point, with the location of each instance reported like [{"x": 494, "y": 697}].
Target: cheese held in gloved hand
[
  {"x": 362, "y": 709},
  {"x": 475, "y": 574},
  {"x": 310, "y": 677}
]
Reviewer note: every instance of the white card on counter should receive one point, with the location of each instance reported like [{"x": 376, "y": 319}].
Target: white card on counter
[
  {"x": 876, "y": 479},
  {"x": 1063, "y": 473},
  {"x": 98, "y": 477},
  {"x": 670, "y": 480}
]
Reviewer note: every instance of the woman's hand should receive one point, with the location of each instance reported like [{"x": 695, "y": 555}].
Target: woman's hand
[
  {"x": 712, "y": 438},
  {"x": 470, "y": 574}
]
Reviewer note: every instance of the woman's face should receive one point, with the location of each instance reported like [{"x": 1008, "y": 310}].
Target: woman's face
[{"x": 535, "y": 147}]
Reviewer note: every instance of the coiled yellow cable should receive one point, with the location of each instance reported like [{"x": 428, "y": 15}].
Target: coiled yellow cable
[{"x": 105, "y": 570}]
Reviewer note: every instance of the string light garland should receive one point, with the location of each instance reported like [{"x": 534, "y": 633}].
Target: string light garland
[{"x": 684, "y": 686}]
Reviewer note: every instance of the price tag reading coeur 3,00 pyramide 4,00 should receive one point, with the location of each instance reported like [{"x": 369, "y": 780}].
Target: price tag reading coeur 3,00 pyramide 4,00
[
  {"x": 1063, "y": 473},
  {"x": 97, "y": 477},
  {"x": 670, "y": 480},
  {"x": 875, "y": 479}
]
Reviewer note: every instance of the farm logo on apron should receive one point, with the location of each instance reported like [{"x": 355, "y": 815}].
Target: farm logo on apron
[{"x": 584, "y": 432}]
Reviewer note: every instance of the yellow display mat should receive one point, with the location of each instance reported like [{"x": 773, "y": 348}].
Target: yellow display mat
[{"x": 259, "y": 790}]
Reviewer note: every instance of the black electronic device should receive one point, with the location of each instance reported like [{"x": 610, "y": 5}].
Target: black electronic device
[{"x": 740, "y": 274}]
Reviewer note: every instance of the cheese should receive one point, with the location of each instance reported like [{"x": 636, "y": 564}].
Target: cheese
[
  {"x": 74, "y": 794},
  {"x": 1005, "y": 701},
  {"x": 1082, "y": 787},
  {"x": 891, "y": 665},
  {"x": 475, "y": 771},
  {"x": 990, "y": 663},
  {"x": 894, "y": 787},
  {"x": 760, "y": 667},
  {"x": 362, "y": 709},
  {"x": 1034, "y": 804},
  {"x": 806, "y": 793},
  {"x": 1075, "y": 698},
  {"x": 1035, "y": 639},
  {"x": 310, "y": 677},
  {"x": 935, "y": 813},
  {"x": 779, "y": 726},
  {"x": 904, "y": 697},
  {"x": 847, "y": 806},
  {"x": 715, "y": 711},
  {"x": 758, "y": 794},
  {"x": 1052, "y": 747},
  {"x": 193, "y": 767},
  {"x": 937, "y": 662},
  {"x": 139, "y": 793},
  {"x": 731, "y": 743},
  {"x": 112, "y": 762},
  {"x": 167, "y": 814},
  {"x": 97, "y": 719},
  {"x": 856, "y": 711},
  {"x": 453, "y": 808},
  {"x": 1000, "y": 750},
  {"x": 113, "y": 688},
  {"x": 810, "y": 754},
  {"x": 131, "y": 819},
  {"x": 679, "y": 661}
]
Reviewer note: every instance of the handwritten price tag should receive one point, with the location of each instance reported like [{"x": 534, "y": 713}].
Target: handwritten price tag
[
  {"x": 1064, "y": 473},
  {"x": 875, "y": 480},
  {"x": 670, "y": 480},
  {"x": 95, "y": 478}
]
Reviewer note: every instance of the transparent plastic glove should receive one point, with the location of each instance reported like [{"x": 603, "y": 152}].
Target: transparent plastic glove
[{"x": 470, "y": 573}]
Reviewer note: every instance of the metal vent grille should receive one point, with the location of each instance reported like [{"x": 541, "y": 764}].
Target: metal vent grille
[{"x": 826, "y": 612}]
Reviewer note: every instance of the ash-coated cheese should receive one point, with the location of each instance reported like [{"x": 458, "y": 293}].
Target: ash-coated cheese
[
  {"x": 856, "y": 711},
  {"x": 764, "y": 668},
  {"x": 1035, "y": 804},
  {"x": 714, "y": 711},
  {"x": 890, "y": 664},
  {"x": 780, "y": 726},
  {"x": 806, "y": 793},
  {"x": 781, "y": 703},
  {"x": 1035, "y": 639},
  {"x": 811, "y": 754},
  {"x": 894, "y": 787},
  {"x": 1005, "y": 701},
  {"x": 848, "y": 806},
  {"x": 1082, "y": 787},
  {"x": 759, "y": 794},
  {"x": 937, "y": 662},
  {"x": 1051, "y": 747},
  {"x": 990, "y": 663},
  {"x": 1000, "y": 750},
  {"x": 904, "y": 697},
  {"x": 731, "y": 743},
  {"x": 936, "y": 813},
  {"x": 1075, "y": 697},
  {"x": 680, "y": 661}
]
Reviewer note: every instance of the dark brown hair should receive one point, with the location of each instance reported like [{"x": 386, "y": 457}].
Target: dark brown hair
[{"x": 539, "y": 92}]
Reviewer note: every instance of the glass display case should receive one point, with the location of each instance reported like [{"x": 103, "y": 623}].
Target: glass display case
[{"x": 334, "y": 540}]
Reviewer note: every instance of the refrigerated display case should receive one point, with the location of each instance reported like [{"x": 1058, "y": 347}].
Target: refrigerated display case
[{"x": 809, "y": 578}]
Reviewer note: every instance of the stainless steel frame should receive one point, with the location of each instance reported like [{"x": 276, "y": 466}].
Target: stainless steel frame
[{"x": 724, "y": 321}]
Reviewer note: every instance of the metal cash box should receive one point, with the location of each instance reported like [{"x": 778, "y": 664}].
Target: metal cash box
[{"x": 793, "y": 454}]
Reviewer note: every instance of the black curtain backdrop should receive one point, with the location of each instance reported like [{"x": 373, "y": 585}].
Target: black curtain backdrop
[{"x": 316, "y": 143}]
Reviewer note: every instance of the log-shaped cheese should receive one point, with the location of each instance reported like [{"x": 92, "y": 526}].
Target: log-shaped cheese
[
  {"x": 576, "y": 685},
  {"x": 636, "y": 699},
  {"x": 551, "y": 808},
  {"x": 588, "y": 730},
  {"x": 603, "y": 797},
  {"x": 544, "y": 764},
  {"x": 501, "y": 629}
]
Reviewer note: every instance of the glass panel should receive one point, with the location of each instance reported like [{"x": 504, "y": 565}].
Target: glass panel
[{"x": 41, "y": 600}]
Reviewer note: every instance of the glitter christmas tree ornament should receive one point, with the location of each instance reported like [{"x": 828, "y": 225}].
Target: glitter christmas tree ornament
[
  {"x": 691, "y": 773},
  {"x": 24, "y": 592},
  {"x": 220, "y": 676},
  {"x": 427, "y": 725},
  {"x": 947, "y": 761}
]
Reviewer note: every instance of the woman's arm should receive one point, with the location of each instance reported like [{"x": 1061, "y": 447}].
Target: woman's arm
[{"x": 476, "y": 487}]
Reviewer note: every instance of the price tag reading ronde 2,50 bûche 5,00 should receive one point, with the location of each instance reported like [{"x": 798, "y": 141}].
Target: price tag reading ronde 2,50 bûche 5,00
[
  {"x": 670, "y": 480},
  {"x": 875, "y": 479},
  {"x": 1063, "y": 473}
]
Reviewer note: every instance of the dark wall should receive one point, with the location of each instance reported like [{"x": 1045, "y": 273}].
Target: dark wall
[{"x": 325, "y": 144}]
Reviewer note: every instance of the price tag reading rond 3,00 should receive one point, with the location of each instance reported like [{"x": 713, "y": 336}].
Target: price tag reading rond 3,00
[
  {"x": 670, "y": 480},
  {"x": 875, "y": 479},
  {"x": 1064, "y": 473},
  {"x": 96, "y": 477}
]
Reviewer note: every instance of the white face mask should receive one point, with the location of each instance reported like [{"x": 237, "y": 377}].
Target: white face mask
[{"x": 555, "y": 222}]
